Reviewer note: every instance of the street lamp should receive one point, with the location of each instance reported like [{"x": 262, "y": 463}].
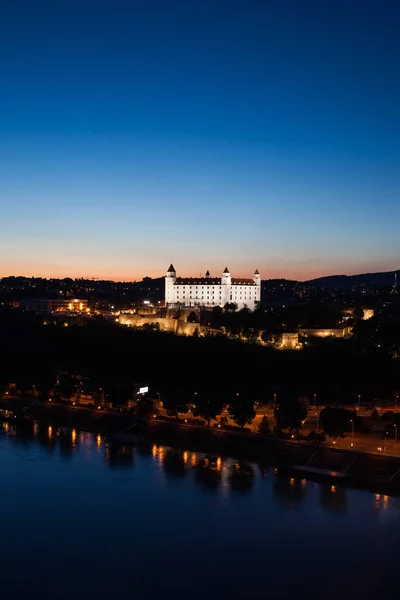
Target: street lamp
[
  {"x": 395, "y": 432},
  {"x": 317, "y": 415},
  {"x": 359, "y": 398},
  {"x": 274, "y": 399},
  {"x": 352, "y": 427},
  {"x": 315, "y": 397}
]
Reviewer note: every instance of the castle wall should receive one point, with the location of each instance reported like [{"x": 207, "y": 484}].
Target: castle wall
[{"x": 177, "y": 326}]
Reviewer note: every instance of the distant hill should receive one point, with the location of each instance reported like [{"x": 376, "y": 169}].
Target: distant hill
[{"x": 347, "y": 281}]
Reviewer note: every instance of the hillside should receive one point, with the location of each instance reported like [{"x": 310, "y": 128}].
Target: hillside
[{"x": 385, "y": 279}]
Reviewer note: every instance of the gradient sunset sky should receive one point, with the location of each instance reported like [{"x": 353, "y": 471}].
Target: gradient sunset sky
[{"x": 207, "y": 133}]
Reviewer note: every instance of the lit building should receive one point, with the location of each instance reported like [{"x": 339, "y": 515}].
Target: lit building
[
  {"x": 368, "y": 313},
  {"x": 58, "y": 305},
  {"x": 325, "y": 333},
  {"x": 212, "y": 291},
  {"x": 290, "y": 341}
]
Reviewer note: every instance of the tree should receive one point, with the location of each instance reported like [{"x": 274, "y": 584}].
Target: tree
[
  {"x": 313, "y": 436},
  {"x": 223, "y": 422},
  {"x": 264, "y": 428},
  {"x": 192, "y": 317},
  {"x": 358, "y": 313},
  {"x": 336, "y": 421},
  {"x": 66, "y": 386},
  {"x": 290, "y": 413},
  {"x": 175, "y": 400},
  {"x": 259, "y": 307},
  {"x": 144, "y": 407},
  {"x": 267, "y": 337},
  {"x": 217, "y": 317},
  {"x": 230, "y": 307},
  {"x": 208, "y": 406},
  {"x": 241, "y": 410},
  {"x": 119, "y": 395},
  {"x": 375, "y": 415}
]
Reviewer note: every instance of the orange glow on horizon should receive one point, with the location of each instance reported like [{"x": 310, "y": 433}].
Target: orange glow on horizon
[{"x": 272, "y": 268}]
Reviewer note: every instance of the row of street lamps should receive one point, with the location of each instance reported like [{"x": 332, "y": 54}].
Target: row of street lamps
[{"x": 358, "y": 400}]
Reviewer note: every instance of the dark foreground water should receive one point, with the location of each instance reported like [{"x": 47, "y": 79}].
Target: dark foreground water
[{"x": 81, "y": 521}]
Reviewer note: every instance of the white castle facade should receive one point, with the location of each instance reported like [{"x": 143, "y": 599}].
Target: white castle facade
[{"x": 212, "y": 291}]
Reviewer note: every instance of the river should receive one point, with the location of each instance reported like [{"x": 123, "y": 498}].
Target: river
[{"x": 82, "y": 521}]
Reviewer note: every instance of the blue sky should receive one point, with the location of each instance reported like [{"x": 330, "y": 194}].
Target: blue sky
[{"x": 207, "y": 133}]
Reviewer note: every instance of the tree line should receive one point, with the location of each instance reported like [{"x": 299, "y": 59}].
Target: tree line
[{"x": 115, "y": 357}]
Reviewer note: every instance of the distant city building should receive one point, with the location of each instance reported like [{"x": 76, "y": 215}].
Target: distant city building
[
  {"x": 368, "y": 313},
  {"x": 324, "y": 333},
  {"x": 59, "y": 305},
  {"x": 212, "y": 291},
  {"x": 290, "y": 341},
  {"x": 395, "y": 288}
]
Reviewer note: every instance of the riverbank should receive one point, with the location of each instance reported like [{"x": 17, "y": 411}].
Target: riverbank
[{"x": 360, "y": 469}]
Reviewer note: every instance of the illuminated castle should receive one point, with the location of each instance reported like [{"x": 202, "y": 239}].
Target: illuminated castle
[{"x": 212, "y": 291}]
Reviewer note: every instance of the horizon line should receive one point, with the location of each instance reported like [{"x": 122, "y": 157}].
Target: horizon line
[{"x": 91, "y": 278}]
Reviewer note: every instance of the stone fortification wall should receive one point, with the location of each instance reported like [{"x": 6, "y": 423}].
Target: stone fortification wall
[{"x": 177, "y": 326}]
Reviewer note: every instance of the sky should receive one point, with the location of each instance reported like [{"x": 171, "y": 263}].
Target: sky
[{"x": 207, "y": 133}]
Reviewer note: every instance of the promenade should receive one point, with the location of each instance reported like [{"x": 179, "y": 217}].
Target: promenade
[{"x": 372, "y": 443}]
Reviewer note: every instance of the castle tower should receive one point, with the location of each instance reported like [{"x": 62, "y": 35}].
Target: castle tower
[
  {"x": 208, "y": 276},
  {"x": 226, "y": 282},
  {"x": 256, "y": 277},
  {"x": 170, "y": 279},
  {"x": 226, "y": 277}
]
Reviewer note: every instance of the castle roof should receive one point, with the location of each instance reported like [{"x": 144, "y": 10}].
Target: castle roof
[
  {"x": 171, "y": 269},
  {"x": 226, "y": 270},
  {"x": 208, "y": 273},
  {"x": 198, "y": 281},
  {"x": 256, "y": 272},
  {"x": 242, "y": 281}
]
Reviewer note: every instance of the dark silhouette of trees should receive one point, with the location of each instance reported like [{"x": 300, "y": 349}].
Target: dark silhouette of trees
[
  {"x": 336, "y": 421},
  {"x": 112, "y": 356},
  {"x": 144, "y": 407},
  {"x": 291, "y": 412},
  {"x": 230, "y": 307},
  {"x": 175, "y": 399},
  {"x": 241, "y": 410},
  {"x": 192, "y": 317},
  {"x": 208, "y": 405},
  {"x": 118, "y": 395},
  {"x": 358, "y": 312},
  {"x": 66, "y": 386},
  {"x": 264, "y": 427},
  {"x": 375, "y": 415}
]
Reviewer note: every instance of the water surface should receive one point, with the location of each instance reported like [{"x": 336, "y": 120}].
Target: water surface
[{"x": 79, "y": 520}]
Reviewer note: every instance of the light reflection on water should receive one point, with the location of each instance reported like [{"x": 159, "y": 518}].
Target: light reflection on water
[
  {"x": 212, "y": 472},
  {"x": 184, "y": 508},
  {"x": 209, "y": 471}
]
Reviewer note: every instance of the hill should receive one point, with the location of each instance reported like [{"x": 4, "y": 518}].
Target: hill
[{"x": 385, "y": 279}]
